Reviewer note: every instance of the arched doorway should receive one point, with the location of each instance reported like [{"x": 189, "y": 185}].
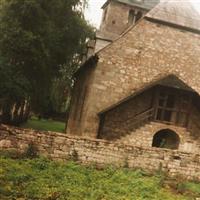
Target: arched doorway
[{"x": 166, "y": 138}]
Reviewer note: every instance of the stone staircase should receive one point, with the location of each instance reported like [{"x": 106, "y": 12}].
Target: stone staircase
[
  {"x": 144, "y": 127},
  {"x": 143, "y": 136},
  {"x": 137, "y": 135},
  {"x": 139, "y": 120}
]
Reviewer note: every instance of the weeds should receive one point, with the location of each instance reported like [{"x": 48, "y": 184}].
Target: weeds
[{"x": 41, "y": 178}]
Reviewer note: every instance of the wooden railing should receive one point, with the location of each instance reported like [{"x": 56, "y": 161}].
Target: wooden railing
[
  {"x": 141, "y": 119},
  {"x": 149, "y": 115}
]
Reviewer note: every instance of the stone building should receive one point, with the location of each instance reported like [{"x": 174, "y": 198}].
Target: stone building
[
  {"x": 118, "y": 16},
  {"x": 143, "y": 88}
]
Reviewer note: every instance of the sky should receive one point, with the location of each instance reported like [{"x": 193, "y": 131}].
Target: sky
[{"x": 93, "y": 12}]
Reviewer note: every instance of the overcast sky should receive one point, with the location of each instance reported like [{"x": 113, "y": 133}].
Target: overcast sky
[{"x": 94, "y": 11}]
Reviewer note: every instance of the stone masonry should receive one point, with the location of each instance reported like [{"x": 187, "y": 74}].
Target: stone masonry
[
  {"x": 89, "y": 151},
  {"x": 143, "y": 137},
  {"x": 115, "y": 87},
  {"x": 147, "y": 53},
  {"x": 117, "y": 18}
]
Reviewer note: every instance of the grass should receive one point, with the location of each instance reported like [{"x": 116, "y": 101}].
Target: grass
[
  {"x": 45, "y": 125},
  {"x": 43, "y": 179}
]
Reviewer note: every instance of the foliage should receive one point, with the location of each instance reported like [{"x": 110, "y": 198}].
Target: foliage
[
  {"x": 74, "y": 156},
  {"x": 189, "y": 187},
  {"x": 31, "y": 151},
  {"x": 44, "y": 179},
  {"x": 38, "y": 39},
  {"x": 44, "y": 125}
]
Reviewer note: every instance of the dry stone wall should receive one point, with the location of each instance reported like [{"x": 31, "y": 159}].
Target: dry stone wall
[{"x": 62, "y": 147}]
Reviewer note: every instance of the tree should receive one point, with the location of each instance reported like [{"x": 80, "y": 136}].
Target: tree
[{"x": 37, "y": 39}]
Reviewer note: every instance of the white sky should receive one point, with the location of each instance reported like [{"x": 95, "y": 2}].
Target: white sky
[{"x": 94, "y": 11}]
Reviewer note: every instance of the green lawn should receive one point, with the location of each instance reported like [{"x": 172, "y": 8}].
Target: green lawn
[
  {"x": 45, "y": 125},
  {"x": 42, "y": 179}
]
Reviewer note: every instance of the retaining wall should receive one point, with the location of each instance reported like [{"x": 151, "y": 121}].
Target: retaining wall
[{"x": 62, "y": 147}]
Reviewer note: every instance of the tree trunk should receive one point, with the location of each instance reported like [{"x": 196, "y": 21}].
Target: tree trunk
[
  {"x": 6, "y": 112},
  {"x": 15, "y": 117},
  {"x": 26, "y": 111},
  {"x": 21, "y": 114}
]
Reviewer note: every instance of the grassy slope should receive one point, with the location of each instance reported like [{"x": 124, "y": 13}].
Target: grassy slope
[
  {"x": 44, "y": 179},
  {"x": 45, "y": 125}
]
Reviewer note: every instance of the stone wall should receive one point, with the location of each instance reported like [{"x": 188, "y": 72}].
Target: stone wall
[
  {"x": 62, "y": 147},
  {"x": 116, "y": 17},
  {"x": 115, "y": 21},
  {"x": 80, "y": 94},
  {"x": 143, "y": 137},
  {"x": 119, "y": 120}
]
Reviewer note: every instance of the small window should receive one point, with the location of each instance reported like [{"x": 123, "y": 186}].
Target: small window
[
  {"x": 138, "y": 16},
  {"x": 104, "y": 14},
  {"x": 131, "y": 17}
]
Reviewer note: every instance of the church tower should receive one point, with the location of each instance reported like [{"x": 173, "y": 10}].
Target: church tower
[{"x": 118, "y": 15}]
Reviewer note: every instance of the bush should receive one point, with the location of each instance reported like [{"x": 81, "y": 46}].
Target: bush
[
  {"x": 31, "y": 151},
  {"x": 74, "y": 155}
]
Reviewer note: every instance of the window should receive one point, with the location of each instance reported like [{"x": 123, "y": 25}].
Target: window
[
  {"x": 166, "y": 103},
  {"x": 131, "y": 17},
  {"x": 104, "y": 14},
  {"x": 134, "y": 16},
  {"x": 138, "y": 16},
  {"x": 173, "y": 106}
]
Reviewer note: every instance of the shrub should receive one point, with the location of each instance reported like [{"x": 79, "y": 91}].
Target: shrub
[
  {"x": 74, "y": 155},
  {"x": 31, "y": 151}
]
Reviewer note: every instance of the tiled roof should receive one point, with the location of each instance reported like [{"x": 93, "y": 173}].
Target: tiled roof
[
  {"x": 183, "y": 13},
  {"x": 146, "y": 4}
]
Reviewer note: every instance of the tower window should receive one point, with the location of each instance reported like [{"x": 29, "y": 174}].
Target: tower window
[
  {"x": 104, "y": 14},
  {"x": 138, "y": 16},
  {"x": 131, "y": 17}
]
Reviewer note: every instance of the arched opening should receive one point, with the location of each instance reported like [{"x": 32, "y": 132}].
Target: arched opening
[{"x": 166, "y": 138}]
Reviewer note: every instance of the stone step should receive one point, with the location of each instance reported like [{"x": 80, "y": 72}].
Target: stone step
[{"x": 144, "y": 129}]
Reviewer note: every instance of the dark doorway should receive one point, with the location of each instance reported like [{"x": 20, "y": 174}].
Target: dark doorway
[{"x": 166, "y": 138}]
